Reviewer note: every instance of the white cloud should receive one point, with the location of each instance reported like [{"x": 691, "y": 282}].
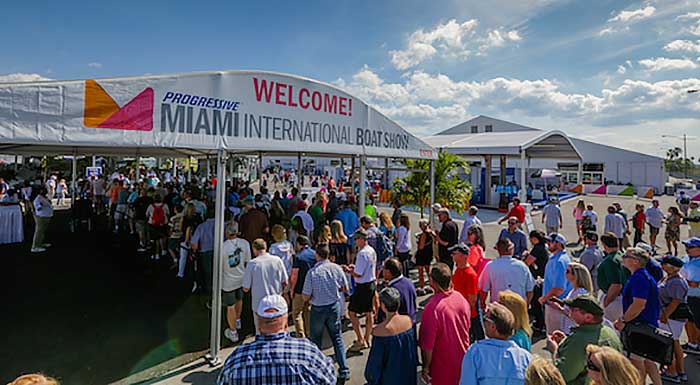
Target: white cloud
[
  {"x": 689, "y": 16},
  {"x": 450, "y": 40},
  {"x": 21, "y": 77},
  {"x": 621, "y": 69},
  {"x": 634, "y": 16},
  {"x": 621, "y": 21},
  {"x": 427, "y": 102},
  {"x": 95, "y": 65},
  {"x": 683, "y": 45},
  {"x": 666, "y": 64}
]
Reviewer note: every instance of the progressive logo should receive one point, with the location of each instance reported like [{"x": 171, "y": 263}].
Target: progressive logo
[{"x": 101, "y": 111}]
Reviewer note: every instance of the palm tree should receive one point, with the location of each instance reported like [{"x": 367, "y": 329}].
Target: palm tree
[{"x": 451, "y": 190}]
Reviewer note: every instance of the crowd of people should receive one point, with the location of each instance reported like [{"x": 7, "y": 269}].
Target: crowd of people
[{"x": 312, "y": 259}]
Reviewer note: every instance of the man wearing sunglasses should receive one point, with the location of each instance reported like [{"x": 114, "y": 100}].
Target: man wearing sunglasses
[
  {"x": 691, "y": 272},
  {"x": 570, "y": 351}
]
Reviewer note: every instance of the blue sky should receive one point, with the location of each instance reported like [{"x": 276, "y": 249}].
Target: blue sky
[{"x": 609, "y": 71}]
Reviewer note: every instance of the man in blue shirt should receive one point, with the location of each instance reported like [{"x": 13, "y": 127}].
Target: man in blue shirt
[
  {"x": 407, "y": 290},
  {"x": 555, "y": 282},
  {"x": 640, "y": 302},
  {"x": 349, "y": 220},
  {"x": 323, "y": 288},
  {"x": 691, "y": 272},
  {"x": 517, "y": 236},
  {"x": 203, "y": 243},
  {"x": 495, "y": 360}
]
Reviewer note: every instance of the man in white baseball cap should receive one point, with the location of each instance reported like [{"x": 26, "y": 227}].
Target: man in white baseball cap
[
  {"x": 275, "y": 357},
  {"x": 555, "y": 282}
]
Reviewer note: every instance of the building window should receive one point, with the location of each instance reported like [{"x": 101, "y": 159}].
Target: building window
[
  {"x": 489, "y": 128},
  {"x": 475, "y": 129}
]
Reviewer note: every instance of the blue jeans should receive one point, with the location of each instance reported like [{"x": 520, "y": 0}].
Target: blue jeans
[{"x": 328, "y": 317}]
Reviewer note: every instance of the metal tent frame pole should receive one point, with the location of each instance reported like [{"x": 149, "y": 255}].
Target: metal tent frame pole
[
  {"x": 432, "y": 194},
  {"x": 215, "y": 332},
  {"x": 74, "y": 171},
  {"x": 363, "y": 191},
  {"x": 299, "y": 174},
  {"x": 523, "y": 177}
]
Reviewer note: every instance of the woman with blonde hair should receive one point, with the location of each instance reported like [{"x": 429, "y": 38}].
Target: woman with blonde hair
[
  {"x": 324, "y": 235},
  {"x": 581, "y": 284},
  {"x": 607, "y": 366},
  {"x": 386, "y": 226},
  {"x": 517, "y": 305},
  {"x": 34, "y": 379},
  {"x": 543, "y": 372},
  {"x": 340, "y": 251}
]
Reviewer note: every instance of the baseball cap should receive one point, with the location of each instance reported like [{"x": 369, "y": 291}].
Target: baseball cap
[
  {"x": 444, "y": 210},
  {"x": 556, "y": 237},
  {"x": 360, "y": 234},
  {"x": 692, "y": 242},
  {"x": 249, "y": 200},
  {"x": 646, "y": 247},
  {"x": 461, "y": 247},
  {"x": 436, "y": 206},
  {"x": 586, "y": 303},
  {"x": 591, "y": 236},
  {"x": 672, "y": 260},
  {"x": 272, "y": 306}
]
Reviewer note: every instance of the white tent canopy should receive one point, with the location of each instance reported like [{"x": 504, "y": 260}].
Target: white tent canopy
[
  {"x": 197, "y": 114},
  {"x": 201, "y": 114}
]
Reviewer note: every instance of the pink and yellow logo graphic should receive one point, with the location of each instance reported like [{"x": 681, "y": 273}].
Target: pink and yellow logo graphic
[{"x": 101, "y": 111}]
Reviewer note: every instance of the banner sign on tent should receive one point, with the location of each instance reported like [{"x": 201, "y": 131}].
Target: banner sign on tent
[
  {"x": 232, "y": 110},
  {"x": 620, "y": 190},
  {"x": 93, "y": 171}
]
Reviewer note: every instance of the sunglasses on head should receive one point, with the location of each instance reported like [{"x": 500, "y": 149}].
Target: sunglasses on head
[
  {"x": 512, "y": 222},
  {"x": 591, "y": 366}
]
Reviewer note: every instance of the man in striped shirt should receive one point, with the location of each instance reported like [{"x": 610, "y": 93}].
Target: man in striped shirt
[
  {"x": 275, "y": 357},
  {"x": 323, "y": 288}
]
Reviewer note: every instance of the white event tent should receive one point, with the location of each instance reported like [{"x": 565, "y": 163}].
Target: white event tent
[{"x": 200, "y": 114}]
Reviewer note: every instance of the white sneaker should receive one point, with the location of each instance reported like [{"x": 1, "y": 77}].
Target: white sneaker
[
  {"x": 232, "y": 335},
  {"x": 38, "y": 249},
  {"x": 163, "y": 253}
]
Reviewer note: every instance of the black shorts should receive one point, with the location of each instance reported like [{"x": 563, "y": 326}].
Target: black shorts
[
  {"x": 229, "y": 298},
  {"x": 694, "y": 305},
  {"x": 653, "y": 230},
  {"x": 157, "y": 231},
  {"x": 362, "y": 299}
]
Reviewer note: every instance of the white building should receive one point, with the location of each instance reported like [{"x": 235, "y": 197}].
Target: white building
[{"x": 599, "y": 163}]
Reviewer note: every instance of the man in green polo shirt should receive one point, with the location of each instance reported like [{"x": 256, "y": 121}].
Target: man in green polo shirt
[
  {"x": 612, "y": 276},
  {"x": 570, "y": 351}
]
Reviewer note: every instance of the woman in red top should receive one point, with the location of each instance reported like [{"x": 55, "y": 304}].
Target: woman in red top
[
  {"x": 638, "y": 220},
  {"x": 476, "y": 249}
]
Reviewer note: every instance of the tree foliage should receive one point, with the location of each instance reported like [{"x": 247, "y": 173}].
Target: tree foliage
[
  {"x": 676, "y": 163},
  {"x": 451, "y": 190}
]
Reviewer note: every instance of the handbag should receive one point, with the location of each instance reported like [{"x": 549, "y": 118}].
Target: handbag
[
  {"x": 647, "y": 341},
  {"x": 681, "y": 313}
]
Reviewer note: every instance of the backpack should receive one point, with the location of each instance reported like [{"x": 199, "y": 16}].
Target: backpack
[
  {"x": 685, "y": 200},
  {"x": 158, "y": 217},
  {"x": 384, "y": 246}
]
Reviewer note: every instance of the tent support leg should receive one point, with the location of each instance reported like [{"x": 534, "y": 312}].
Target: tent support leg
[
  {"x": 523, "y": 177},
  {"x": 215, "y": 331},
  {"x": 432, "y": 194},
  {"x": 579, "y": 172},
  {"x": 363, "y": 191},
  {"x": 74, "y": 171},
  {"x": 189, "y": 169},
  {"x": 299, "y": 173},
  {"x": 174, "y": 168}
]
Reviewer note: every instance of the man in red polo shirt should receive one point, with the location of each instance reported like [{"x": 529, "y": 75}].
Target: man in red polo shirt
[{"x": 517, "y": 211}]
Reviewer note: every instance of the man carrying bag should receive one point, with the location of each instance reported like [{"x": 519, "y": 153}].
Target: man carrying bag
[{"x": 644, "y": 342}]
